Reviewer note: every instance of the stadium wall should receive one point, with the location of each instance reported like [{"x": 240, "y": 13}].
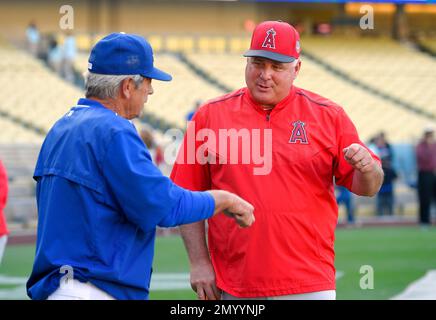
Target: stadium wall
[{"x": 193, "y": 16}]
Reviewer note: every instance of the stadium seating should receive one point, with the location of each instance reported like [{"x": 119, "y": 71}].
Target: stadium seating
[
  {"x": 429, "y": 43},
  {"x": 30, "y": 95},
  {"x": 11, "y": 64},
  {"x": 227, "y": 68},
  {"x": 370, "y": 113},
  {"x": 15, "y": 133},
  {"x": 31, "y": 92},
  {"x": 397, "y": 70},
  {"x": 19, "y": 159}
]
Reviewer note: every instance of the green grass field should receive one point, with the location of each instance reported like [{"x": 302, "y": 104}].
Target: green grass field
[{"x": 398, "y": 256}]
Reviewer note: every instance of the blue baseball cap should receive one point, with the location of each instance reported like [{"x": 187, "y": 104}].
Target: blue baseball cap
[{"x": 124, "y": 54}]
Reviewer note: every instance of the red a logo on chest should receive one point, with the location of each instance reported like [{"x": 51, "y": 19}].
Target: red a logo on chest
[{"x": 298, "y": 133}]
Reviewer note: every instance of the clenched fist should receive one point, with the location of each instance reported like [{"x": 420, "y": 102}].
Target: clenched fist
[
  {"x": 359, "y": 158},
  {"x": 234, "y": 207}
]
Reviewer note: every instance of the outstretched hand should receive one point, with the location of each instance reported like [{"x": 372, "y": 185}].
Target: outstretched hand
[{"x": 233, "y": 207}]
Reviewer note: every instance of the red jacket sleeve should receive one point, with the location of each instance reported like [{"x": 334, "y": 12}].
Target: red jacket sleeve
[{"x": 346, "y": 134}]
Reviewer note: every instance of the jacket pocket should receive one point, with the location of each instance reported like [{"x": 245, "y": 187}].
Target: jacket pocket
[{"x": 88, "y": 182}]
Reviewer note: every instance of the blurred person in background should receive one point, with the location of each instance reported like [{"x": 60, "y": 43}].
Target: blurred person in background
[
  {"x": 380, "y": 146},
  {"x": 3, "y": 200},
  {"x": 384, "y": 148},
  {"x": 345, "y": 197},
  {"x": 54, "y": 56},
  {"x": 33, "y": 38},
  {"x": 385, "y": 201},
  {"x": 426, "y": 165},
  {"x": 69, "y": 54},
  {"x": 191, "y": 113},
  {"x": 155, "y": 149}
]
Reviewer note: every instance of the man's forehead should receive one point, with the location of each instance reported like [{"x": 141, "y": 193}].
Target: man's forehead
[{"x": 262, "y": 59}]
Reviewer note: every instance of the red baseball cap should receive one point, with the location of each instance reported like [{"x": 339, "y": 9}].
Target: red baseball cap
[{"x": 275, "y": 40}]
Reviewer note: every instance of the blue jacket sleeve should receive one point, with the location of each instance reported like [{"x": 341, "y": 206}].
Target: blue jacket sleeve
[{"x": 144, "y": 195}]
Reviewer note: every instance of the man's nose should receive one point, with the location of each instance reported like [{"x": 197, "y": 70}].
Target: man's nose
[{"x": 266, "y": 73}]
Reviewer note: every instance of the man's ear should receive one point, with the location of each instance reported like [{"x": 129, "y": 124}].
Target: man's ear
[
  {"x": 126, "y": 88},
  {"x": 297, "y": 68}
]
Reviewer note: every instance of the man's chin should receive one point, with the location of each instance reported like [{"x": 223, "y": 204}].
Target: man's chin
[
  {"x": 261, "y": 99},
  {"x": 135, "y": 116}
]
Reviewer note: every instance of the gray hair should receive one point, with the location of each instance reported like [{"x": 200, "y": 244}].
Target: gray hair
[{"x": 105, "y": 86}]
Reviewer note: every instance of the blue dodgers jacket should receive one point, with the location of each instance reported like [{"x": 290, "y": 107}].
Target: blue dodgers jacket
[{"x": 99, "y": 200}]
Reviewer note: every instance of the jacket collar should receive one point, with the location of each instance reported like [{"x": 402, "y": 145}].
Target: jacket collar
[
  {"x": 89, "y": 103},
  {"x": 282, "y": 104}
]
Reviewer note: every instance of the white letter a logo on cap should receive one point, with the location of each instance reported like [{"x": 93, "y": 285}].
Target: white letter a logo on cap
[{"x": 270, "y": 40}]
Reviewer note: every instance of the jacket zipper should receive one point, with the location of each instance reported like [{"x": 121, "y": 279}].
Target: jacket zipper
[{"x": 268, "y": 120}]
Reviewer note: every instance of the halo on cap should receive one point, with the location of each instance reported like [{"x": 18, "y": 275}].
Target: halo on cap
[{"x": 275, "y": 40}]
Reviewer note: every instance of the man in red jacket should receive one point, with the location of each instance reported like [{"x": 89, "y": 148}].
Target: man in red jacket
[
  {"x": 280, "y": 147},
  {"x": 3, "y": 198}
]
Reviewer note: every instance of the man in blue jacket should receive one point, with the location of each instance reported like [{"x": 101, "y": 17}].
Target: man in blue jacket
[{"x": 99, "y": 195}]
